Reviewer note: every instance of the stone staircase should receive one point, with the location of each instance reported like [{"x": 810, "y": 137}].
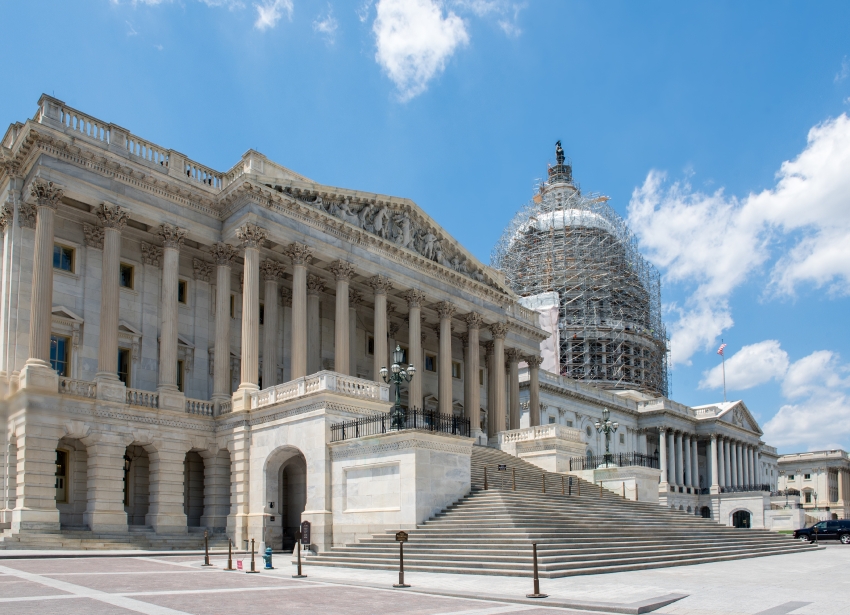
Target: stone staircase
[
  {"x": 491, "y": 531},
  {"x": 139, "y": 538}
]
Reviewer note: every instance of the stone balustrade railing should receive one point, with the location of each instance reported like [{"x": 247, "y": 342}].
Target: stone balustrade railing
[
  {"x": 226, "y": 407},
  {"x": 528, "y": 434},
  {"x": 662, "y": 403},
  {"x": 199, "y": 406},
  {"x": 79, "y": 388},
  {"x": 331, "y": 382},
  {"x": 145, "y": 399}
]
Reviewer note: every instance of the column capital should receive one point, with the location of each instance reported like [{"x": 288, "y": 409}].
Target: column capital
[
  {"x": 662, "y": 429},
  {"x": 202, "y": 269},
  {"x": 513, "y": 355},
  {"x": 499, "y": 330},
  {"x": 393, "y": 329},
  {"x": 172, "y": 236},
  {"x": 298, "y": 253},
  {"x": 414, "y": 298},
  {"x": 315, "y": 285},
  {"x": 712, "y": 437},
  {"x": 112, "y": 217},
  {"x": 534, "y": 361},
  {"x": 355, "y": 298},
  {"x": 342, "y": 270},
  {"x": 272, "y": 271},
  {"x": 223, "y": 254},
  {"x": 151, "y": 254},
  {"x": 251, "y": 235},
  {"x": 286, "y": 296},
  {"x": 6, "y": 216},
  {"x": 464, "y": 338},
  {"x": 46, "y": 193},
  {"x": 93, "y": 236},
  {"x": 474, "y": 320},
  {"x": 489, "y": 347},
  {"x": 445, "y": 309},
  {"x": 380, "y": 284}
]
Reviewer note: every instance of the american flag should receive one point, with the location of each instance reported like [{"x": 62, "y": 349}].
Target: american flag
[{"x": 720, "y": 350}]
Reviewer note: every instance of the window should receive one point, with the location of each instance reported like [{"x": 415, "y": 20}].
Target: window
[
  {"x": 588, "y": 431},
  {"x": 808, "y": 495},
  {"x": 61, "y": 476},
  {"x": 63, "y": 258},
  {"x": 551, "y": 420},
  {"x": 124, "y": 366},
  {"x": 457, "y": 372},
  {"x": 182, "y": 292},
  {"x": 233, "y": 306},
  {"x": 59, "y": 354},
  {"x": 790, "y": 477},
  {"x": 569, "y": 423},
  {"x": 430, "y": 363},
  {"x": 125, "y": 276},
  {"x": 807, "y": 477},
  {"x": 370, "y": 345},
  {"x": 180, "y": 376},
  {"x": 622, "y": 438},
  {"x": 262, "y": 313}
]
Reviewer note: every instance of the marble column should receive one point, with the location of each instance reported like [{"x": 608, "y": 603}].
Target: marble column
[
  {"x": 742, "y": 465},
  {"x": 272, "y": 273},
  {"x": 534, "y": 363},
  {"x": 315, "y": 287},
  {"x": 446, "y": 311},
  {"x": 694, "y": 463},
  {"x": 105, "y": 481},
  {"x": 662, "y": 450},
  {"x": 490, "y": 360},
  {"x": 472, "y": 404},
  {"x": 37, "y": 372},
  {"x": 223, "y": 255},
  {"x": 721, "y": 462},
  {"x": 113, "y": 220},
  {"x": 513, "y": 355},
  {"x": 300, "y": 255},
  {"x": 671, "y": 447},
  {"x": 715, "y": 483},
  {"x": 687, "y": 471},
  {"x": 733, "y": 457},
  {"x": 745, "y": 465},
  {"x": 172, "y": 240},
  {"x": 757, "y": 466},
  {"x": 381, "y": 286},
  {"x": 499, "y": 330},
  {"x": 467, "y": 381},
  {"x": 216, "y": 488},
  {"x": 252, "y": 238},
  {"x": 354, "y": 299},
  {"x": 643, "y": 449},
  {"x": 680, "y": 461},
  {"x": 342, "y": 272},
  {"x": 751, "y": 465},
  {"x": 392, "y": 335},
  {"x": 415, "y": 299}
]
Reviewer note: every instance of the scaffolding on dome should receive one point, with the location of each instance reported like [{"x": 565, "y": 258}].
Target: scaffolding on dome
[{"x": 611, "y": 333}]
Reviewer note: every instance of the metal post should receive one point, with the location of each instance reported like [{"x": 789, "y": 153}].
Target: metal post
[
  {"x": 485, "y": 478},
  {"x": 600, "y": 489},
  {"x": 206, "y": 549},
  {"x": 401, "y": 582},
  {"x": 562, "y": 485},
  {"x": 298, "y": 546},
  {"x": 579, "y": 487},
  {"x": 536, "y": 593},
  {"x": 229, "y": 554},
  {"x": 253, "y": 566},
  {"x": 624, "y": 489},
  {"x": 544, "y": 482},
  {"x": 513, "y": 478}
]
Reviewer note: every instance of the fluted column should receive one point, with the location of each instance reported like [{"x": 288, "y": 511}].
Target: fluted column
[
  {"x": 392, "y": 335},
  {"x": 252, "y": 238},
  {"x": 354, "y": 299},
  {"x": 37, "y": 372},
  {"x": 490, "y": 358},
  {"x": 671, "y": 444},
  {"x": 472, "y": 404},
  {"x": 272, "y": 273},
  {"x": 315, "y": 286},
  {"x": 757, "y": 466},
  {"x": 414, "y": 341},
  {"x": 534, "y": 363},
  {"x": 514, "y": 356},
  {"x": 643, "y": 449},
  {"x": 662, "y": 450},
  {"x": 686, "y": 461},
  {"x": 721, "y": 462},
  {"x": 694, "y": 463},
  {"x": 113, "y": 220},
  {"x": 752, "y": 466},
  {"x": 172, "y": 240},
  {"x": 343, "y": 272},
  {"x": 223, "y": 255},
  {"x": 733, "y": 456},
  {"x": 300, "y": 255},
  {"x": 499, "y": 330},
  {"x": 446, "y": 311},
  {"x": 715, "y": 482},
  {"x": 381, "y": 285}
]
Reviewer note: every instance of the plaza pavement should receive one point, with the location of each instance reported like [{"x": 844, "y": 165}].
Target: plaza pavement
[{"x": 810, "y": 583}]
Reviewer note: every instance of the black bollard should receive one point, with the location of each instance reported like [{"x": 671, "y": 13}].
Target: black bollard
[
  {"x": 253, "y": 567},
  {"x": 485, "y": 478},
  {"x": 298, "y": 546},
  {"x": 206, "y": 549},
  {"x": 229, "y": 554},
  {"x": 401, "y": 582},
  {"x": 544, "y": 482},
  {"x": 536, "y": 593},
  {"x": 513, "y": 478}
]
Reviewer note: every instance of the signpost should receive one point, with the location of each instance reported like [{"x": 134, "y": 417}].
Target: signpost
[
  {"x": 536, "y": 593},
  {"x": 401, "y": 537},
  {"x": 299, "y": 539}
]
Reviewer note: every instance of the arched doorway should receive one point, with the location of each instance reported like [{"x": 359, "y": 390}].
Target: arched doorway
[
  {"x": 741, "y": 518},
  {"x": 71, "y": 482},
  {"x": 286, "y": 496},
  {"x": 705, "y": 512},
  {"x": 193, "y": 488},
  {"x": 136, "y": 484}
]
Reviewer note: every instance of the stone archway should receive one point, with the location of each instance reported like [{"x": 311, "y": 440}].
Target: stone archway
[
  {"x": 71, "y": 482},
  {"x": 705, "y": 512},
  {"x": 286, "y": 496},
  {"x": 136, "y": 484},
  {"x": 742, "y": 518},
  {"x": 193, "y": 488}
]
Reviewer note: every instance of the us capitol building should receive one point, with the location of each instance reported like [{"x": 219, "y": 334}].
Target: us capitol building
[{"x": 179, "y": 347}]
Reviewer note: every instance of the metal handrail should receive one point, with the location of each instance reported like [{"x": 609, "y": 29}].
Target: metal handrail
[
  {"x": 591, "y": 462},
  {"x": 410, "y": 418}
]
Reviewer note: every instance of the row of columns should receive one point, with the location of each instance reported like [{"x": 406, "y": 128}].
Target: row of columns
[
  {"x": 679, "y": 461},
  {"x": 733, "y": 463}
]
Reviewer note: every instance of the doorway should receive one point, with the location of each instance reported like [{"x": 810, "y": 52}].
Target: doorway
[{"x": 741, "y": 518}]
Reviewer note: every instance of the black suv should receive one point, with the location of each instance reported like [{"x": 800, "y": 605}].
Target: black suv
[{"x": 827, "y": 530}]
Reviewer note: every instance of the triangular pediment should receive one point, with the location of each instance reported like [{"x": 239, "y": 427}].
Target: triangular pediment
[
  {"x": 125, "y": 327},
  {"x": 737, "y": 414},
  {"x": 60, "y": 311}
]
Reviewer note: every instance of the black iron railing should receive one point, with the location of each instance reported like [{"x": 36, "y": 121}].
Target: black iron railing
[
  {"x": 744, "y": 488},
  {"x": 413, "y": 418},
  {"x": 786, "y": 492},
  {"x": 591, "y": 462}
]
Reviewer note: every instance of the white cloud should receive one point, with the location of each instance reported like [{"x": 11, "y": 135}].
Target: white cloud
[
  {"x": 132, "y": 30},
  {"x": 506, "y": 12},
  {"x": 364, "y": 9},
  {"x": 270, "y": 12},
  {"x": 712, "y": 243},
  {"x": 415, "y": 40},
  {"x": 811, "y": 375},
  {"x": 843, "y": 72},
  {"x": 326, "y": 25},
  {"x": 749, "y": 367},
  {"x": 820, "y": 422}
]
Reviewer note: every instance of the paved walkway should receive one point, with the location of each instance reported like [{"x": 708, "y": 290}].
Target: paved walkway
[{"x": 813, "y": 583}]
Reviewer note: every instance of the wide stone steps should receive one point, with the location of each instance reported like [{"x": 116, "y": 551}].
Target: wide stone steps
[
  {"x": 135, "y": 539},
  {"x": 491, "y": 531}
]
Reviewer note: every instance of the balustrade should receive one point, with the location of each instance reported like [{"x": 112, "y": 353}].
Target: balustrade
[
  {"x": 199, "y": 406},
  {"x": 145, "y": 399},
  {"x": 82, "y": 124},
  {"x": 321, "y": 381},
  {"x": 80, "y": 388}
]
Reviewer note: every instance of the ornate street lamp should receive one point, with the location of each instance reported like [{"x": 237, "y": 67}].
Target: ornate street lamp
[
  {"x": 607, "y": 427},
  {"x": 396, "y": 375}
]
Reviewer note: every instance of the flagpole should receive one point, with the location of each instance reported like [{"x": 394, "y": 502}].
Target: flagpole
[{"x": 723, "y": 363}]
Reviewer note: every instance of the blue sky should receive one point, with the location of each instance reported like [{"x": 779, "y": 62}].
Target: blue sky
[{"x": 683, "y": 113}]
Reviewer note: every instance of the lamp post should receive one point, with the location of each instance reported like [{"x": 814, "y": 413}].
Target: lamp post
[
  {"x": 396, "y": 375},
  {"x": 607, "y": 427}
]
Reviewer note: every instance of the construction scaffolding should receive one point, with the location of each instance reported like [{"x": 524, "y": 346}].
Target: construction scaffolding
[{"x": 610, "y": 329}]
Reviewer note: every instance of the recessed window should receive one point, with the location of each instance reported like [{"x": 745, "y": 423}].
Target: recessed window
[
  {"x": 262, "y": 313},
  {"x": 569, "y": 423},
  {"x": 551, "y": 420},
  {"x": 370, "y": 345},
  {"x": 808, "y": 497},
  {"x": 457, "y": 371},
  {"x": 807, "y": 477},
  {"x": 588, "y": 431},
  {"x": 622, "y": 438},
  {"x": 233, "y": 306},
  {"x": 124, "y": 366},
  {"x": 125, "y": 276},
  {"x": 182, "y": 292},
  {"x": 61, "y": 476},
  {"x": 63, "y": 258},
  {"x": 790, "y": 477},
  {"x": 59, "y": 348},
  {"x": 430, "y": 363},
  {"x": 481, "y": 377},
  {"x": 180, "y": 376}
]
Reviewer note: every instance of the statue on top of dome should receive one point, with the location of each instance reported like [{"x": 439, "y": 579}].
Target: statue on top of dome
[{"x": 559, "y": 153}]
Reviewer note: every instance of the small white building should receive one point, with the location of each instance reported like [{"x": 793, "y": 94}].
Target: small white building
[{"x": 821, "y": 481}]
